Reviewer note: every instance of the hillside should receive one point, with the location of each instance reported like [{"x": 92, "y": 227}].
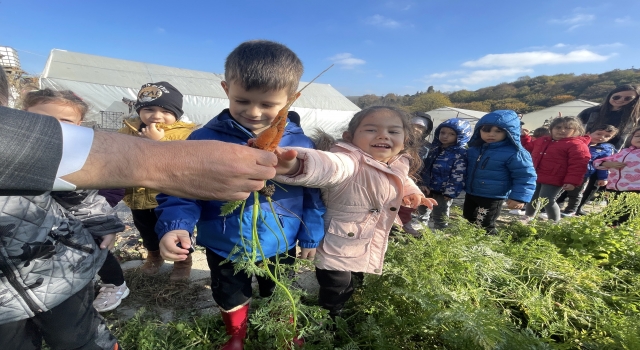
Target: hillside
[{"x": 525, "y": 95}]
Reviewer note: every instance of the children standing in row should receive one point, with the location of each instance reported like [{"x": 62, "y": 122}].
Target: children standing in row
[
  {"x": 598, "y": 148},
  {"x": 498, "y": 169},
  {"x": 364, "y": 180},
  {"x": 445, "y": 168},
  {"x": 50, "y": 247},
  {"x": 159, "y": 106},
  {"x": 624, "y": 169},
  {"x": 260, "y": 77},
  {"x": 560, "y": 160}
]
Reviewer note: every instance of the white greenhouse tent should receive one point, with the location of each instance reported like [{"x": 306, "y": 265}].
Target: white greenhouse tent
[
  {"x": 568, "y": 109},
  {"x": 441, "y": 114},
  {"x": 103, "y": 82}
]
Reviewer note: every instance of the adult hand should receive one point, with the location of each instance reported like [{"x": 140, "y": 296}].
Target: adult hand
[
  {"x": 152, "y": 132},
  {"x": 189, "y": 169},
  {"x": 568, "y": 187},
  {"x": 511, "y": 204},
  {"x": 168, "y": 245},
  {"x": 108, "y": 241}
]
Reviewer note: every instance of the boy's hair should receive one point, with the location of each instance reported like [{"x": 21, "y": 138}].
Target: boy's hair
[
  {"x": 607, "y": 128},
  {"x": 571, "y": 122},
  {"x": 4, "y": 88},
  {"x": 264, "y": 65},
  {"x": 542, "y": 131},
  {"x": 412, "y": 142},
  {"x": 63, "y": 97}
]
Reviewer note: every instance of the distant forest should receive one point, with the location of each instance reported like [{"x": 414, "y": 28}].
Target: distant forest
[{"x": 524, "y": 95}]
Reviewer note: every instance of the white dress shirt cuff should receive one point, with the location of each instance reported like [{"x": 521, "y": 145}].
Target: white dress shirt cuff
[{"x": 76, "y": 145}]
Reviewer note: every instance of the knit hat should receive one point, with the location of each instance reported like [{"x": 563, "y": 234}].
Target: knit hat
[{"x": 161, "y": 94}]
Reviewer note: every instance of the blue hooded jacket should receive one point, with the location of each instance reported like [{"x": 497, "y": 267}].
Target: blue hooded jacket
[
  {"x": 501, "y": 169},
  {"x": 299, "y": 209},
  {"x": 598, "y": 151},
  {"x": 445, "y": 168}
]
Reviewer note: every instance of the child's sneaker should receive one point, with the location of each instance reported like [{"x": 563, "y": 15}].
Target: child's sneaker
[
  {"x": 516, "y": 212},
  {"x": 567, "y": 215},
  {"x": 543, "y": 216},
  {"x": 525, "y": 219},
  {"x": 110, "y": 297}
]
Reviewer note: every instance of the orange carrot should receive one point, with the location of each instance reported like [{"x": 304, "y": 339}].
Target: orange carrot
[{"x": 269, "y": 139}]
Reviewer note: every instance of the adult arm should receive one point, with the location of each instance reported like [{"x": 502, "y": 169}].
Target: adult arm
[{"x": 190, "y": 169}]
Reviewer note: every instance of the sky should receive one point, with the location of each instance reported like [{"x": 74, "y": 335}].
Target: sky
[{"x": 378, "y": 47}]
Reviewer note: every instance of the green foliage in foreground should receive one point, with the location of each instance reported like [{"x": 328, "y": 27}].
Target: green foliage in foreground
[{"x": 569, "y": 286}]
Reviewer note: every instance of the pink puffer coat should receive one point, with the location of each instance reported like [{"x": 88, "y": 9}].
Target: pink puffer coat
[{"x": 362, "y": 197}]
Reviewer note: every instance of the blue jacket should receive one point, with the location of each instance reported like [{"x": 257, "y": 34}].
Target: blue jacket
[
  {"x": 598, "y": 151},
  {"x": 445, "y": 169},
  {"x": 501, "y": 169},
  {"x": 299, "y": 210}
]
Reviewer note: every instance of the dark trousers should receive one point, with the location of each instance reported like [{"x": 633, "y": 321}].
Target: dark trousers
[
  {"x": 336, "y": 288},
  {"x": 145, "y": 221},
  {"x": 591, "y": 187},
  {"x": 482, "y": 211},
  {"x": 74, "y": 324},
  {"x": 111, "y": 272},
  {"x": 230, "y": 289}
]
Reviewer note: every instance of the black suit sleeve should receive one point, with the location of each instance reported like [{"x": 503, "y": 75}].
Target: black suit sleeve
[{"x": 30, "y": 152}]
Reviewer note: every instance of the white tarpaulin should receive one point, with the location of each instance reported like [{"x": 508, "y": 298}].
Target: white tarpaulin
[
  {"x": 441, "y": 114},
  {"x": 103, "y": 82},
  {"x": 568, "y": 109}
]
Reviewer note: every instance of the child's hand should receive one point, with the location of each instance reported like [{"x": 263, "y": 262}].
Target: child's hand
[
  {"x": 415, "y": 199},
  {"x": 288, "y": 164},
  {"x": 568, "y": 187},
  {"x": 614, "y": 165},
  {"x": 152, "y": 132},
  {"x": 108, "y": 241},
  {"x": 307, "y": 253},
  {"x": 511, "y": 204},
  {"x": 168, "y": 248},
  {"x": 602, "y": 183}
]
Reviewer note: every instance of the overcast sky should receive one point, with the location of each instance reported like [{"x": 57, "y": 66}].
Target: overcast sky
[{"x": 378, "y": 47}]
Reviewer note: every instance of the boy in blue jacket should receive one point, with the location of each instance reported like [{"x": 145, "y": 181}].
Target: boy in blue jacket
[
  {"x": 445, "y": 168},
  {"x": 260, "y": 76},
  {"x": 499, "y": 168}
]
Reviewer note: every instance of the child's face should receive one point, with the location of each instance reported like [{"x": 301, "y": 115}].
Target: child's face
[
  {"x": 156, "y": 114},
  {"x": 254, "y": 109},
  {"x": 600, "y": 136},
  {"x": 447, "y": 136},
  {"x": 64, "y": 113},
  {"x": 562, "y": 131},
  {"x": 494, "y": 135},
  {"x": 380, "y": 134},
  {"x": 635, "y": 140}
]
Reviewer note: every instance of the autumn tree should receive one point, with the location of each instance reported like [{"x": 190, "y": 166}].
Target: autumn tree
[
  {"x": 428, "y": 102},
  {"x": 558, "y": 99}
]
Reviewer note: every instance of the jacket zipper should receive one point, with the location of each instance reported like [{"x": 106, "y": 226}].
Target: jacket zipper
[
  {"x": 11, "y": 277},
  {"x": 476, "y": 167},
  {"x": 66, "y": 241}
]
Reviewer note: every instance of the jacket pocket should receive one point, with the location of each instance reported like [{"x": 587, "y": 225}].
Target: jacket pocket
[{"x": 349, "y": 238}]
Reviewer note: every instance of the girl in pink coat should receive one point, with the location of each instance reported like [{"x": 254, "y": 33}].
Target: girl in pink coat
[
  {"x": 624, "y": 170},
  {"x": 364, "y": 181}
]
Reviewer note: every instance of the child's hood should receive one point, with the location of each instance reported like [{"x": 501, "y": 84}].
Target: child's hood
[
  {"x": 460, "y": 126},
  {"x": 224, "y": 123},
  {"x": 504, "y": 119}
]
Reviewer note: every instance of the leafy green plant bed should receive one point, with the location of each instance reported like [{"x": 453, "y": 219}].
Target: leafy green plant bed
[{"x": 572, "y": 285}]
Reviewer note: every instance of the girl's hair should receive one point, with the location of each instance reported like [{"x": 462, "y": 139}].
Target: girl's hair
[
  {"x": 539, "y": 132},
  {"x": 571, "y": 122},
  {"x": 488, "y": 127},
  {"x": 607, "y": 128},
  {"x": 63, "y": 97},
  {"x": 628, "y": 143},
  {"x": 630, "y": 111},
  {"x": 412, "y": 142}
]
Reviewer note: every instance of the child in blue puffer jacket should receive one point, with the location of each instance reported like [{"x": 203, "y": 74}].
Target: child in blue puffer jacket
[
  {"x": 445, "y": 168},
  {"x": 499, "y": 168}
]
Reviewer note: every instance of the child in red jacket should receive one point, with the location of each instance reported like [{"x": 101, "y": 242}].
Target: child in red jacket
[{"x": 560, "y": 161}]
